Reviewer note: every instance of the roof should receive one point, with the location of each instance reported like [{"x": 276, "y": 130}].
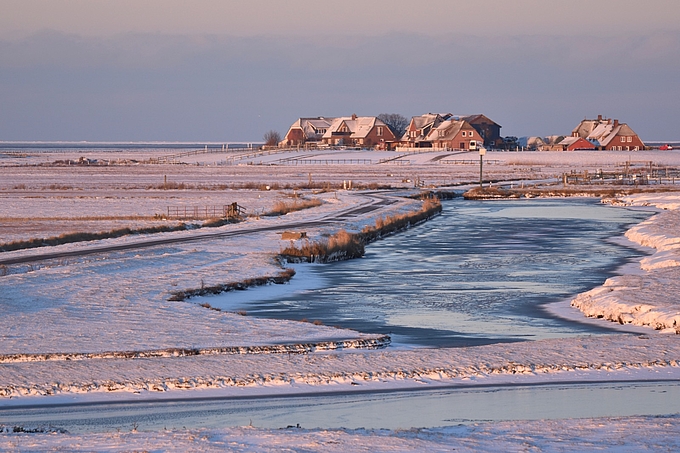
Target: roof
[
  {"x": 359, "y": 126},
  {"x": 426, "y": 121},
  {"x": 602, "y": 130},
  {"x": 311, "y": 126},
  {"x": 449, "y": 129}
]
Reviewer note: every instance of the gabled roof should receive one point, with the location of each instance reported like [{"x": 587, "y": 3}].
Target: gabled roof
[
  {"x": 479, "y": 117},
  {"x": 602, "y": 130},
  {"x": 426, "y": 121},
  {"x": 359, "y": 126},
  {"x": 449, "y": 129},
  {"x": 311, "y": 126}
]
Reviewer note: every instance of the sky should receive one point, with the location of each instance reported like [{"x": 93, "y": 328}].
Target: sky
[{"x": 227, "y": 70}]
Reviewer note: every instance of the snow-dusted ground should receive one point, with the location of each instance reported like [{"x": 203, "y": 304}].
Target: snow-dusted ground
[
  {"x": 118, "y": 302},
  {"x": 620, "y": 435},
  {"x": 651, "y": 297}
]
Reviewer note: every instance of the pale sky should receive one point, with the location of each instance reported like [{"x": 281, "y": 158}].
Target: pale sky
[{"x": 231, "y": 70}]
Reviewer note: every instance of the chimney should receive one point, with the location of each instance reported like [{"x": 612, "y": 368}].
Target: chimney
[
  {"x": 354, "y": 116},
  {"x": 609, "y": 121},
  {"x": 616, "y": 123},
  {"x": 599, "y": 117}
]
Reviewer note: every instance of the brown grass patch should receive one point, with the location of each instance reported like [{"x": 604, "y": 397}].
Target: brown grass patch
[{"x": 344, "y": 245}]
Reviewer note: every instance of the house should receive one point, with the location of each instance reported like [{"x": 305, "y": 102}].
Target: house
[
  {"x": 572, "y": 144},
  {"x": 364, "y": 131},
  {"x": 420, "y": 127},
  {"x": 488, "y": 130},
  {"x": 454, "y": 134},
  {"x": 608, "y": 134},
  {"x": 306, "y": 130},
  {"x": 418, "y": 130}
]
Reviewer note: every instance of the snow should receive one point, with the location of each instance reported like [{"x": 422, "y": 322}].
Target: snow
[
  {"x": 648, "y": 298},
  {"x": 621, "y": 435},
  {"x": 118, "y": 302}
]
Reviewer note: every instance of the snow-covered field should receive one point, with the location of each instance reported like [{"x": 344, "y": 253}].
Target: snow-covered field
[{"x": 118, "y": 302}]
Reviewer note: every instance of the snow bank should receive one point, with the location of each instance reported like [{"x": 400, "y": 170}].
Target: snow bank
[
  {"x": 650, "y": 299},
  {"x": 609, "y": 356},
  {"x": 621, "y": 434}
]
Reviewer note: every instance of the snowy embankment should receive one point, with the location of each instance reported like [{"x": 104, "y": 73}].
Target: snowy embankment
[
  {"x": 607, "y": 357},
  {"x": 650, "y": 298},
  {"x": 621, "y": 435}
]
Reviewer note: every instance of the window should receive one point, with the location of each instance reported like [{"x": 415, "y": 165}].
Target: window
[
  {"x": 380, "y": 131},
  {"x": 464, "y": 134},
  {"x": 623, "y": 139},
  {"x": 629, "y": 139},
  {"x": 470, "y": 134}
]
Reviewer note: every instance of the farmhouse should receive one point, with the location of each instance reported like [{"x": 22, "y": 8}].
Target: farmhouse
[
  {"x": 454, "y": 134},
  {"x": 488, "y": 130},
  {"x": 418, "y": 132},
  {"x": 568, "y": 144},
  {"x": 364, "y": 131},
  {"x": 420, "y": 127},
  {"x": 306, "y": 130},
  {"x": 608, "y": 134}
]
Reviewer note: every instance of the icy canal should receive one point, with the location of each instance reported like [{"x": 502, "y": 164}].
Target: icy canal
[
  {"x": 391, "y": 410},
  {"x": 480, "y": 273}
]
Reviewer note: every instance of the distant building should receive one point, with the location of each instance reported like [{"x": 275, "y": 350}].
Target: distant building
[
  {"x": 306, "y": 130},
  {"x": 418, "y": 132},
  {"x": 362, "y": 131},
  {"x": 420, "y": 127},
  {"x": 569, "y": 144},
  {"x": 489, "y": 130},
  {"x": 454, "y": 134},
  {"x": 608, "y": 134}
]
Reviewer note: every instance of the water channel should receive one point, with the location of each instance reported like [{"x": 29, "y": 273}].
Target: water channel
[{"x": 480, "y": 273}]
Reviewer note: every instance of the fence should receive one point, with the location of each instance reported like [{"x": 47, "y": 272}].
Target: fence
[{"x": 229, "y": 211}]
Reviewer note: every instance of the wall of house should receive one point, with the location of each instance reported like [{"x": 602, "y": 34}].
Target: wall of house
[
  {"x": 295, "y": 137},
  {"x": 458, "y": 140},
  {"x": 372, "y": 139},
  {"x": 490, "y": 132},
  {"x": 617, "y": 145}
]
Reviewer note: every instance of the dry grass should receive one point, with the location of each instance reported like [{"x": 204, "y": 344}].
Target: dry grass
[
  {"x": 282, "y": 277},
  {"x": 344, "y": 245},
  {"x": 283, "y": 207}
]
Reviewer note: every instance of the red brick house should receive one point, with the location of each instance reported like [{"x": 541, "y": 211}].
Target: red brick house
[
  {"x": 489, "y": 130},
  {"x": 572, "y": 144},
  {"x": 361, "y": 131},
  {"x": 420, "y": 127},
  {"x": 306, "y": 130},
  {"x": 608, "y": 134},
  {"x": 454, "y": 134}
]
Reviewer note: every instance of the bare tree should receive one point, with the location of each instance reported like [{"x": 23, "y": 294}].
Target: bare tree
[
  {"x": 396, "y": 122},
  {"x": 272, "y": 138}
]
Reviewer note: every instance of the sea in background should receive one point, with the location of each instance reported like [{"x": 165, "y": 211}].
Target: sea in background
[{"x": 480, "y": 273}]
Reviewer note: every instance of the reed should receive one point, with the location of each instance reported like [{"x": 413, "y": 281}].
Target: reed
[{"x": 344, "y": 245}]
